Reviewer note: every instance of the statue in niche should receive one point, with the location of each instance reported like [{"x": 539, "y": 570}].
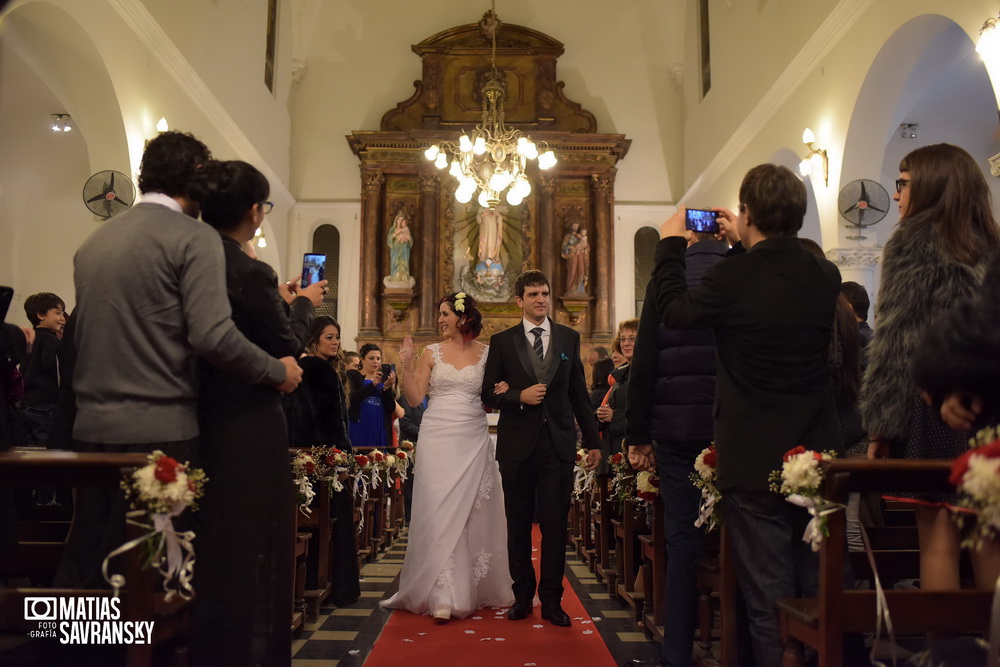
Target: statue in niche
[
  {"x": 400, "y": 241},
  {"x": 483, "y": 273},
  {"x": 576, "y": 252}
]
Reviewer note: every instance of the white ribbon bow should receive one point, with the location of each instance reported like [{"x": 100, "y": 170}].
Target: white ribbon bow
[{"x": 706, "y": 510}]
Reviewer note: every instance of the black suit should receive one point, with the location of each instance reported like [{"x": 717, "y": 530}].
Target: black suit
[{"x": 536, "y": 449}]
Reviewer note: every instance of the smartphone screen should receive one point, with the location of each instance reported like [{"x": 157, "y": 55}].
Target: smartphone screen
[
  {"x": 312, "y": 268},
  {"x": 701, "y": 220},
  {"x": 386, "y": 370}
]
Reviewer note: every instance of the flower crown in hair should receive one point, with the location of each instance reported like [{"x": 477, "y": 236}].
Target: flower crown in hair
[{"x": 460, "y": 302}]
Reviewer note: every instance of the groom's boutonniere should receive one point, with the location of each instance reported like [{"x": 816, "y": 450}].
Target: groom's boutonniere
[{"x": 564, "y": 357}]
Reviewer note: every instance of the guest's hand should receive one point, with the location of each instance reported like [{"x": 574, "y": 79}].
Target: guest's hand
[
  {"x": 29, "y": 337},
  {"x": 288, "y": 289},
  {"x": 391, "y": 380},
  {"x": 500, "y": 388},
  {"x": 642, "y": 458},
  {"x": 605, "y": 413},
  {"x": 593, "y": 458},
  {"x": 728, "y": 231},
  {"x": 533, "y": 395},
  {"x": 293, "y": 375},
  {"x": 878, "y": 447},
  {"x": 960, "y": 409},
  {"x": 674, "y": 225},
  {"x": 314, "y": 292}
]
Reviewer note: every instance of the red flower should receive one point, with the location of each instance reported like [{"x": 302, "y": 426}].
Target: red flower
[
  {"x": 654, "y": 481},
  {"x": 377, "y": 456},
  {"x": 361, "y": 460},
  {"x": 648, "y": 496},
  {"x": 793, "y": 452},
  {"x": 711, "y": 458},
  {"x": 336, "y": 451},
  {"x": 616, "y": 459},
  {"x": 401, "y": 456},
  {"x": 961, "y": 464},
  {"x": 310, "y": 467},
  {"x": 579, "y": 456},
  {"x": 166, "y": 470}
]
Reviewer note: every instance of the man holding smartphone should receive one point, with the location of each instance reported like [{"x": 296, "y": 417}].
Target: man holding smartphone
[{"x": 151, "y": 297}]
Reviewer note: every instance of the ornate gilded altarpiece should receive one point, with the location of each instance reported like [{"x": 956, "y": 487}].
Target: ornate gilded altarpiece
[{"x": 454, "y": 246}]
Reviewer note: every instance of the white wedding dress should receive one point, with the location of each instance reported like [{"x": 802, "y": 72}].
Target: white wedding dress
[{"x": 456, "y": 554}]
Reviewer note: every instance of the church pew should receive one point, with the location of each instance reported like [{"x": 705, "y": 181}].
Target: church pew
[
  {"x": 654, "y": 573},
  {"x": 300, "y": 552},
  {"x": 822, "y": 622},
  {"x": 627, "y": 530},
  {"x": 141, "y": 599},
  {"x": 320, "y": 524},
  {"x": 717, "y": 581},
  {"x": 603, "y": 533}
]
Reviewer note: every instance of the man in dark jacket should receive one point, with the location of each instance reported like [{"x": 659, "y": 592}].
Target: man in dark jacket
[
  {"x": 669, "y": 412},
  {"x": 772, "y": 311}
]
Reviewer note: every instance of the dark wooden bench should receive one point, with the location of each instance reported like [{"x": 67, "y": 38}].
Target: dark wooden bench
[
  {"x": 653, "y": 549},
  {"x": 40, "y": 546},
  {"x": 822, "y": 622},
  {"x": 627, "y": 530},
  {"x": 602, "y": 515}
]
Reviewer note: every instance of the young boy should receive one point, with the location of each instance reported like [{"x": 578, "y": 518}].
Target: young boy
[{"x": 46, "y": 312}]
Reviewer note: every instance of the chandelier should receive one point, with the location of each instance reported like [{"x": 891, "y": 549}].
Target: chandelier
[{"x": 493, "y": 159}]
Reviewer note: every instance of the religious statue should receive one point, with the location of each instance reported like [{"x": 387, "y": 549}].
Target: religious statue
[
  {"x": 576, "y": 251},
  {"x": 400, "y": 242},
  {"x": 490, "y": 235}
]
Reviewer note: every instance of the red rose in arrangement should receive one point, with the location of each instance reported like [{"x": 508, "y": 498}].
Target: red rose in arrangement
[
  {"x": 166, "y": 470},
  {"x": 961, "y": 464},
  {"x": 401, "y": 455},
  {"x": 616, "y": 459},
  {"x": 361, "y": 460},
  {"x": 378, "y": 456},
  {"x": 711, "y": 458},
  {"x": 579, "y": 456}
]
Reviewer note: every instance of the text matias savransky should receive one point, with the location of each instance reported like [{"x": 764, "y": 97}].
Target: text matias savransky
[{"x": 85, "y": 620}]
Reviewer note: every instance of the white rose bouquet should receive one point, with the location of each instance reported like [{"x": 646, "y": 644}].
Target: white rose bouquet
[
  {"x": 705, "y": 477},
  {"x": 799, "y": 480}
]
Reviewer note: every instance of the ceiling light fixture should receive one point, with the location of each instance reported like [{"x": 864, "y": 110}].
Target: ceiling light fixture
[
  {"x": 61, "y": 122},
  {"x": 908, "y": 130},
  {"x": 493, "y": 159}
]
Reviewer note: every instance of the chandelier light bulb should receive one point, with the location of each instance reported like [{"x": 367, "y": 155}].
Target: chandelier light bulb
[
  {"x": 547, "y": 160},
  {"x": 442, "y": 161},
  {"x": 513, "y": 197},
  {"x": 522, "y": 187},
  {"x": 432, "y": 152},
  {"x": 522, "y": 145},
  {"x": 483, "y": 200},
  {"x": 258, "y": 232},
  {"x": 479, "y": 146},
  {"x": 807, "y": 136},
  {"x": 464, "y": 195},
  {"x": 455, "y": 169},
  {"x": 464, "y": 143}
]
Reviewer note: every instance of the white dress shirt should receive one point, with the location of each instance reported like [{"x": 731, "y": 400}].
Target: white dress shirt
[{"x": 546, "y": 326}]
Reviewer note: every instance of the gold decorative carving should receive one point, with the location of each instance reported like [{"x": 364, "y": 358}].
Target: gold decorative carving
[
  {"x": 399, "y": 301},
  {"x": 576, "y": 307},
  {"x": 429, "y": 182},
  {"x": 547, "y": 184},
  {"x": 372, "y": 180},
  {"x": 572, "y": 187},
  {"x": 603, "y": 185},
  {"x": 402, "y": 185},
  {"x": 527, "y": 239}
]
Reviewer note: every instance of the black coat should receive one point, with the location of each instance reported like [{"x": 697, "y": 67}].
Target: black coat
[
  {"x": 672, "y": 383},
  {"x": 772, "y": 310},
  {"x": 566, "y": 398},
  {"x": 318, "y": 412}
]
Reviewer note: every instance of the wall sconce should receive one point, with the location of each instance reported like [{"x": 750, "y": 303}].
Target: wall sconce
[
  {"x": 161, "y": 125},
  {"x": 61, "y": 122},
  {"x": 805, "y": 167},
  {"x": 989, "y": 41},
  {"x": 908, "y": 130},
  {"x": 260, "y": 238}
]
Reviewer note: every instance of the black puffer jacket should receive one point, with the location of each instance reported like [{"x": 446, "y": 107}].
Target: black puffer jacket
[{"x": 672, "y": 384}]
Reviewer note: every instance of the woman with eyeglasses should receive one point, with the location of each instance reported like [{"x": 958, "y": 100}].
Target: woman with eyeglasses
[
  {"x": 243, "y": 575},
  {"x": 611, "y": 414},
  {"x": 936, "y": 257}
]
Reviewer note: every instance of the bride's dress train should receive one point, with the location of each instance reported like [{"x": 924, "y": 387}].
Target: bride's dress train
[{"x": 456, "y": 555}]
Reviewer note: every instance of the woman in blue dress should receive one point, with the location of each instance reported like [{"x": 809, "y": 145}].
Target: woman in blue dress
[{"x": 372, "y": 400}]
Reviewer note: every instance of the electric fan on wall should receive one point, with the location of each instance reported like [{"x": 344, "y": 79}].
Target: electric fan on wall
[
  {"x": 108, "y": 192},
  {"x": 863, "y": 203}
]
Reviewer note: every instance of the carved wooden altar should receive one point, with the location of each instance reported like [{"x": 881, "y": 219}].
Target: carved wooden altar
[{"x": 395, "y": 176}]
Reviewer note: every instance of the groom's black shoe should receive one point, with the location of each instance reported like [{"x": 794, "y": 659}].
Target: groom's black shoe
[
  {"x": 520, "y": 609},
  {"x": 554, "y": 614}
]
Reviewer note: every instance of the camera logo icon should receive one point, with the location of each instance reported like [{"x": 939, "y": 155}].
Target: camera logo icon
[{"x": 40, "y": 609}]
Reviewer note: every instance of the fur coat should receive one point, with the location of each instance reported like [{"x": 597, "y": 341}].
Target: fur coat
[{"x": 919, "y": 285}]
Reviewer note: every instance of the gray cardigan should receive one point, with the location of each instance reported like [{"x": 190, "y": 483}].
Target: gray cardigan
[{"x": 151, "y": 297}]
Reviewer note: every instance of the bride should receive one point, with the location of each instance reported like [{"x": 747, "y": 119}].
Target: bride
[{"x": 456, "y": 557}]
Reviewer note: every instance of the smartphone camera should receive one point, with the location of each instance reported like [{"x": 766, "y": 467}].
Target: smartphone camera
[
  {"x": 386, "y": 370},
  {"x": 313, "y": 266},
  {"x": 701, "y": 220}
]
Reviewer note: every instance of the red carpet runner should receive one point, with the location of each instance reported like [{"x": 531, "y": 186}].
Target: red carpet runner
[{"x": 488, "y": 639}]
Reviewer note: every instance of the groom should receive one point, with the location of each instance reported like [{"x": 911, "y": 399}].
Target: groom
[{"x": 536, "y": 439}]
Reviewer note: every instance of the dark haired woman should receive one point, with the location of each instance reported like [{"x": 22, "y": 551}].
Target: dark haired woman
[
  {"x": 456, "y": 557},
  {"x": 244, "y": 565},
  {"x": 372, "y": 400},
  {"x": 936, "y": 258},
  {"x": 320, "y": 420}
]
